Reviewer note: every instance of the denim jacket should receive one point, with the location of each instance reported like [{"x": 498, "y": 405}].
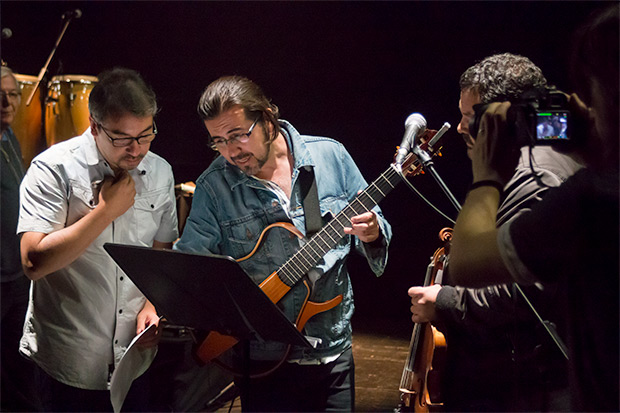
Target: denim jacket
[{"x": 230, "y": 210}]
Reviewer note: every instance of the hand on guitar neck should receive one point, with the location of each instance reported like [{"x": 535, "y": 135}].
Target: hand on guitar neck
[{"x": 365, "y": 226}]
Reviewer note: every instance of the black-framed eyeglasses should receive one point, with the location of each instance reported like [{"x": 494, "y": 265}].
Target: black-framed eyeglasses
[
  {"x": 141, "y": 140},
  {"x": 220, "y": 143}
]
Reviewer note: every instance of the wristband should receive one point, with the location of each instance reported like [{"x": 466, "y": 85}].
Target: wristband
[{"x": 488, "y": 182}]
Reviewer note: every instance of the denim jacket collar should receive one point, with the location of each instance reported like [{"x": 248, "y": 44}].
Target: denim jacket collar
[{"x": 300, "y": 152}]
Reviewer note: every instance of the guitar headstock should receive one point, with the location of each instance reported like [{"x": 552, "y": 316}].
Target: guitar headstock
[{"x": 412, "y": 165}]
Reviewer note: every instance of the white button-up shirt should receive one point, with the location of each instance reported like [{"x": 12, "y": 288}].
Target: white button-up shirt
[{"x": 81, "y": 318}]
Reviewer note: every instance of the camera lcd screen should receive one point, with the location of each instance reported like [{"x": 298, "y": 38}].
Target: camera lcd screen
[{"x": 552, "y": 126}]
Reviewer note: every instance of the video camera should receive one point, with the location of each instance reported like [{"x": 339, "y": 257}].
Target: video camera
[{"x": 537, "y": 117}]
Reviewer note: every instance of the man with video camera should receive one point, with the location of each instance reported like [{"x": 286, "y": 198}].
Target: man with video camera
[
  {"x": 499, "y": 355},
  {"x": 571, "y": 236}
]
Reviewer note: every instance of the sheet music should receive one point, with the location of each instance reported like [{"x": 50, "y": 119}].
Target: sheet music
[{"x": 133, "y": 364}]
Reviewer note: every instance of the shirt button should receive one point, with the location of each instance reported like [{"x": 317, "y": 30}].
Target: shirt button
[
  {"x": 122, "y": 278},
  {"x": 152, "y": 206},
  {"x": 115, "y": 341},
  {"x": 120, "y": 311}
]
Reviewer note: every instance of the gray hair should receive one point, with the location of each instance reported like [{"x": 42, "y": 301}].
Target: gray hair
[
  {"x": 226, "y": 92},
  {"x": 121, "y": 91},
  {"x": 502, "y": 77},
  {"x": 8, "y": 72}
]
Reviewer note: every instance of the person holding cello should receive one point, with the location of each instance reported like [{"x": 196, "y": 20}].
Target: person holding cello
[
  {"x": 498, "y": 354},
  {"x": 571, "y": 236}
]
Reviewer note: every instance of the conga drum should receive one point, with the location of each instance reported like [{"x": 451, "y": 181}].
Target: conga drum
[
  {"x": 27, "y": 123},
  {"x": 66, "y": 108}
]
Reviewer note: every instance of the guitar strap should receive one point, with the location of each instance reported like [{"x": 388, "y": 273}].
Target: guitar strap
[{"x": 310, "y": 200}]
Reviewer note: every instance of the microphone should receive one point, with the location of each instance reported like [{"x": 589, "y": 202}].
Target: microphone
[
  {"x": 77, "y": 13},
  {"x": 414, "y": 125},
  {"x": 7, "y": 33}
]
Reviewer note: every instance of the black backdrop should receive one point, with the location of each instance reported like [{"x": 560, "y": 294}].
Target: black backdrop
[{"x": 349, "y": 70}]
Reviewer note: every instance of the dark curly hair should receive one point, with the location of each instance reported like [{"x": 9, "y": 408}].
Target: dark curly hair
[{"x": 502, "y": 77}]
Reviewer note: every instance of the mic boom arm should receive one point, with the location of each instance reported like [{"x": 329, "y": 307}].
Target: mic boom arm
[{"x": 49, "y": 59}]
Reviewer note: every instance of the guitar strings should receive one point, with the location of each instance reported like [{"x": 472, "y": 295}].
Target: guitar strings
[{"x": 293, "y": 269}]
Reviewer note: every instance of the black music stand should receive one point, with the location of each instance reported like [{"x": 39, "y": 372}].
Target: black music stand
[{"x": 208, "y": 292}]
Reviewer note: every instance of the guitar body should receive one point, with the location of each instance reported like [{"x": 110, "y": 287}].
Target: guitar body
[
  {"x": 297, "y": 266},
  {"x": 215, "y": 344}
]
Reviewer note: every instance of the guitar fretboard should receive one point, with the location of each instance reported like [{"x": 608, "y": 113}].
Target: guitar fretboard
[{"x": 327, "y": 238}]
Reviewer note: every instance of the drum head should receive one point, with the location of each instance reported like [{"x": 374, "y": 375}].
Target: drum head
[
  {"x": 25, "y": 79},
  {"x": 66, "y": 109},
  {"x": 74, "y": 79}
]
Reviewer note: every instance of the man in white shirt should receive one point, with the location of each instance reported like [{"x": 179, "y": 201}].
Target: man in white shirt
[{"x": 102, "y": 186}]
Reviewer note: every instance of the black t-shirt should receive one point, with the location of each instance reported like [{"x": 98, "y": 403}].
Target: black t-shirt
[{"x": 571, "y": 237}]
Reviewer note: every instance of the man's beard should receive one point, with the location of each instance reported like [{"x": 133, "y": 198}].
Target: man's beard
[{"x": 251, "y": 169}]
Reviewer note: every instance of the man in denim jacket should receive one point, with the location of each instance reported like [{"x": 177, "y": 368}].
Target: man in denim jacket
[{"x": 256, "y": 183}]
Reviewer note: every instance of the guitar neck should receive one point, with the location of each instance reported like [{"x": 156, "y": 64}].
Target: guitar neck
[{"x": 327, "y": 238}]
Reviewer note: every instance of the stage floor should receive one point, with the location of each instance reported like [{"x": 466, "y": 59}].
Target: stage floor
[{"x": 380, "y": 348}]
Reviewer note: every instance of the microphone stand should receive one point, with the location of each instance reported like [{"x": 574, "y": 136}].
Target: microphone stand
[
  {"x": 49, "y": 59},
  {"x": 428, "y": 166}
]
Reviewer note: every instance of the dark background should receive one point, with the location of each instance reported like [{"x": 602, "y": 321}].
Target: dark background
[{"x": 353, "y": 71}]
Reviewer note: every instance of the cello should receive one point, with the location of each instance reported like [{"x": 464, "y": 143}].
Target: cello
[{"x": 420, "y": 381}]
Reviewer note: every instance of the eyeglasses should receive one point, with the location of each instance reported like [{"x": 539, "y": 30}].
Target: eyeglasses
[
  {"x": 140, "y": 140},
  {"x": 220, "y": 143},
  {"x": 10, "y": 95}
]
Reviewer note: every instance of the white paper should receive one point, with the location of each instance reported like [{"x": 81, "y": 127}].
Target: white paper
[{"x": 133, "y": 364}]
